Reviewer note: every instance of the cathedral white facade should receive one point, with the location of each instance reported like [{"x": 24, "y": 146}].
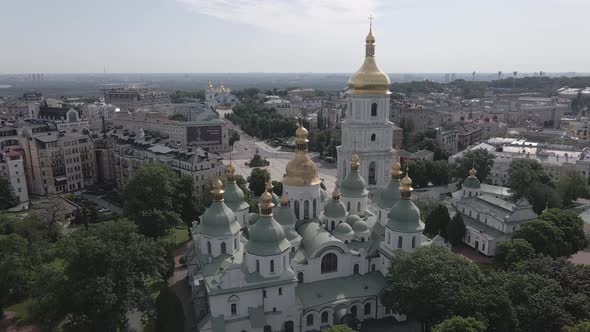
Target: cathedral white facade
[
  {"x": 216, "y": 96},
  {"x": 306, "y": 261}
]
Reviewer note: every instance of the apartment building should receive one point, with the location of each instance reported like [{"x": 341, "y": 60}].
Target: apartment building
[
  {"x": 130, "y": 153},
  {"x": 12, "y": 168}
]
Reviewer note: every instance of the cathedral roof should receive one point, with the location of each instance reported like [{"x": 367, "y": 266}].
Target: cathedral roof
[
  {"x": 343, "y": 231},
  {"x": 301, "y": 171},
  {"x": 405, "y": 217},
  {"x": 266, "y": 237},
  {"x": 391, "y": 194},
  {"x": 352, "y": 218},
  {"x": 334, "y": 208},
  {"x": 234, "y": 197},
  {"x": 218, "y": 219},
  {"x": 369, "y": 79},
  {"x": 353, "y": 185},
  {"x": 472, "y": 181}
]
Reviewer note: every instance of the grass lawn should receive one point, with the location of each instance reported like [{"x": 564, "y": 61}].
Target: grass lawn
[
  {"x": 22, "y": 312},
  {"x": 178, "y": 236},
  {"x": 484, "y": 267}
]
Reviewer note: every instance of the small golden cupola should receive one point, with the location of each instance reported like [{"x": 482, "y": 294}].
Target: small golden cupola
[
  {"x": 406, "y": 187},
  {"x": 369, "y": 79},
  {"x": 396, "y": 170},
  {"x": 217, "y": 192},
  {"x": 301, "y": 171}
]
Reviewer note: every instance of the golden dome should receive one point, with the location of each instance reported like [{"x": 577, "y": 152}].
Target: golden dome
[
  {"x": 406, "y": 183},
  {"x": 230, "y": 171},
  {"x": 355, "y": 162},
  {"x": 301, "y": 171},
  {"x": 217, "y": 190},
  {"x": 284, "y": 200},
  {"x": 396, "y": 169},
  {"x": 336, "y": 194},
  {"x": 266, "y": 204},
  {"x": 472, "y": 171},
  {"x": 369, "y": 79}
]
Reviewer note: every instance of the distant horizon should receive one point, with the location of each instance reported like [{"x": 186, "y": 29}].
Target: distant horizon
[{"x": 303, "y": 36}]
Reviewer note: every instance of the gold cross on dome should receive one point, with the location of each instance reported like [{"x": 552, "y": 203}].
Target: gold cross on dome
[{"x": 371, "y": 18}]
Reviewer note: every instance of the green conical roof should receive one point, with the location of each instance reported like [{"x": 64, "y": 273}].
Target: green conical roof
[
  {"x": 353, "y": 185},
  {"x": 267, "y": 237},
  {"x": 335, "y": 209},
  {"x": 390, "y": 195},
  {"x": 471, "y": 182},
  {"x": 352, "y": 218},
  {"x": 405, "y": 217},
  {"x": 218, "y": 220},
  {"x": 285, "y": 216},
  {"x": 343, "y": 230},
  {"x": 234, "y": 197}
]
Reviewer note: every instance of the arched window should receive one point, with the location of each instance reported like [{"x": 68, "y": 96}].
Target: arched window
[
  {"x": 306, "y": 209},
  {"x": 325, "y": 316},
  {"x": 314, "y": 208},
  {"x": 388, "y": 238},
  {"x": 272, "y": 265},
  {"x": 373, "y": 138},
  {"x": 209, "y": 247},
  {"x": 267, "y": 328},
  {"x": 413, "y": 242},
  {"x": 348, "y": 206},
  {"x": 300, "y": 277},
  {"x": 372, "y": 267},
  {"x": 355, "y": 269},
  {"x": 289, "y": 326},
  {"x": 297, "y": 209},
  {"x": 372, "y": 173},
  {"x": 358, "y": 207},
  {"x": 399, "y": 241},
  {"x": 223, "y": 248},
  {"x": 329, "y": 263},
  {"x": 333, "y": 225},
  {"x": 368, "y": 309},
  {"x": 353, "y": 311},
  {"x": 374, "y": 109},
  {"x": 236, "y": 243},
  {"x": 309, "y": 320},
  {"x": 257, "y": 266}
]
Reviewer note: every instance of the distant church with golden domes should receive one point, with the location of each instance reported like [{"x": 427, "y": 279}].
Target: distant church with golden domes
[{"x": 309, "y": 260}]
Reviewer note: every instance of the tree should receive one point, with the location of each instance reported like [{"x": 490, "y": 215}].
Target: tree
[
  {"x": 7, "y": 197},
  {"x": 277, "y": 188},
  {"x": 234, "y": 136},
  {"x": 86, "y": 216},
  {"x": 460, "y": 324},
  {"x": 437, "y": 222},
  {"x": 528, "y": 179},
  {"x": 339, "y": 328},
  {"x": 544, "y": 236},
  {"x": 257, "y": 181},
  {"x": 420, "y": 173},
  {"x": 456, "y": 229},
  {"x": 106, "y": 273},
  {"x": 512, "y": 252},
  {"x": 156, "y": 223},
  {"x": 433, "y": 284},
  {"x": 186, "y": 199},
  {"x": 257, "y": 161},
  {"x": 580, "y": 327},
  {"x": 572, "y": 227},
  {"x": 152, "y": 187},
  {"x": 169, "y": 311},
  {"x": 571, "y": 187},
  {"x": 482, "y": 159}
]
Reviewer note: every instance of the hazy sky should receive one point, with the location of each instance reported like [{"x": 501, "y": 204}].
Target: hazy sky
[{"x": 72, "y": 36}]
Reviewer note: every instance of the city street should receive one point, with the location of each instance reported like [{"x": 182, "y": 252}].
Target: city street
[{"x": 247, "y": 146}]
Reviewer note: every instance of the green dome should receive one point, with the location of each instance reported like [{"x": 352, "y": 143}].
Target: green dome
[
  {"x": 292, "y": 235},
  {"x": 266, "y": 237},
  {"x": 352, "y": 218},
  {"x": 343, "y": 230},
  {"x": 360, "y": 227},
  {"x": 218, "y": 220},
  {"x": 353, "y": 185},
  {"x": 390, "y": 195},
  {"x": 471, "y": 182},
  {"x": 405, "y": 217},
  {"x": 335, "y": 209},
  {"x": 285, "y": 216},
  {"x": 234, "y": 197}
]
